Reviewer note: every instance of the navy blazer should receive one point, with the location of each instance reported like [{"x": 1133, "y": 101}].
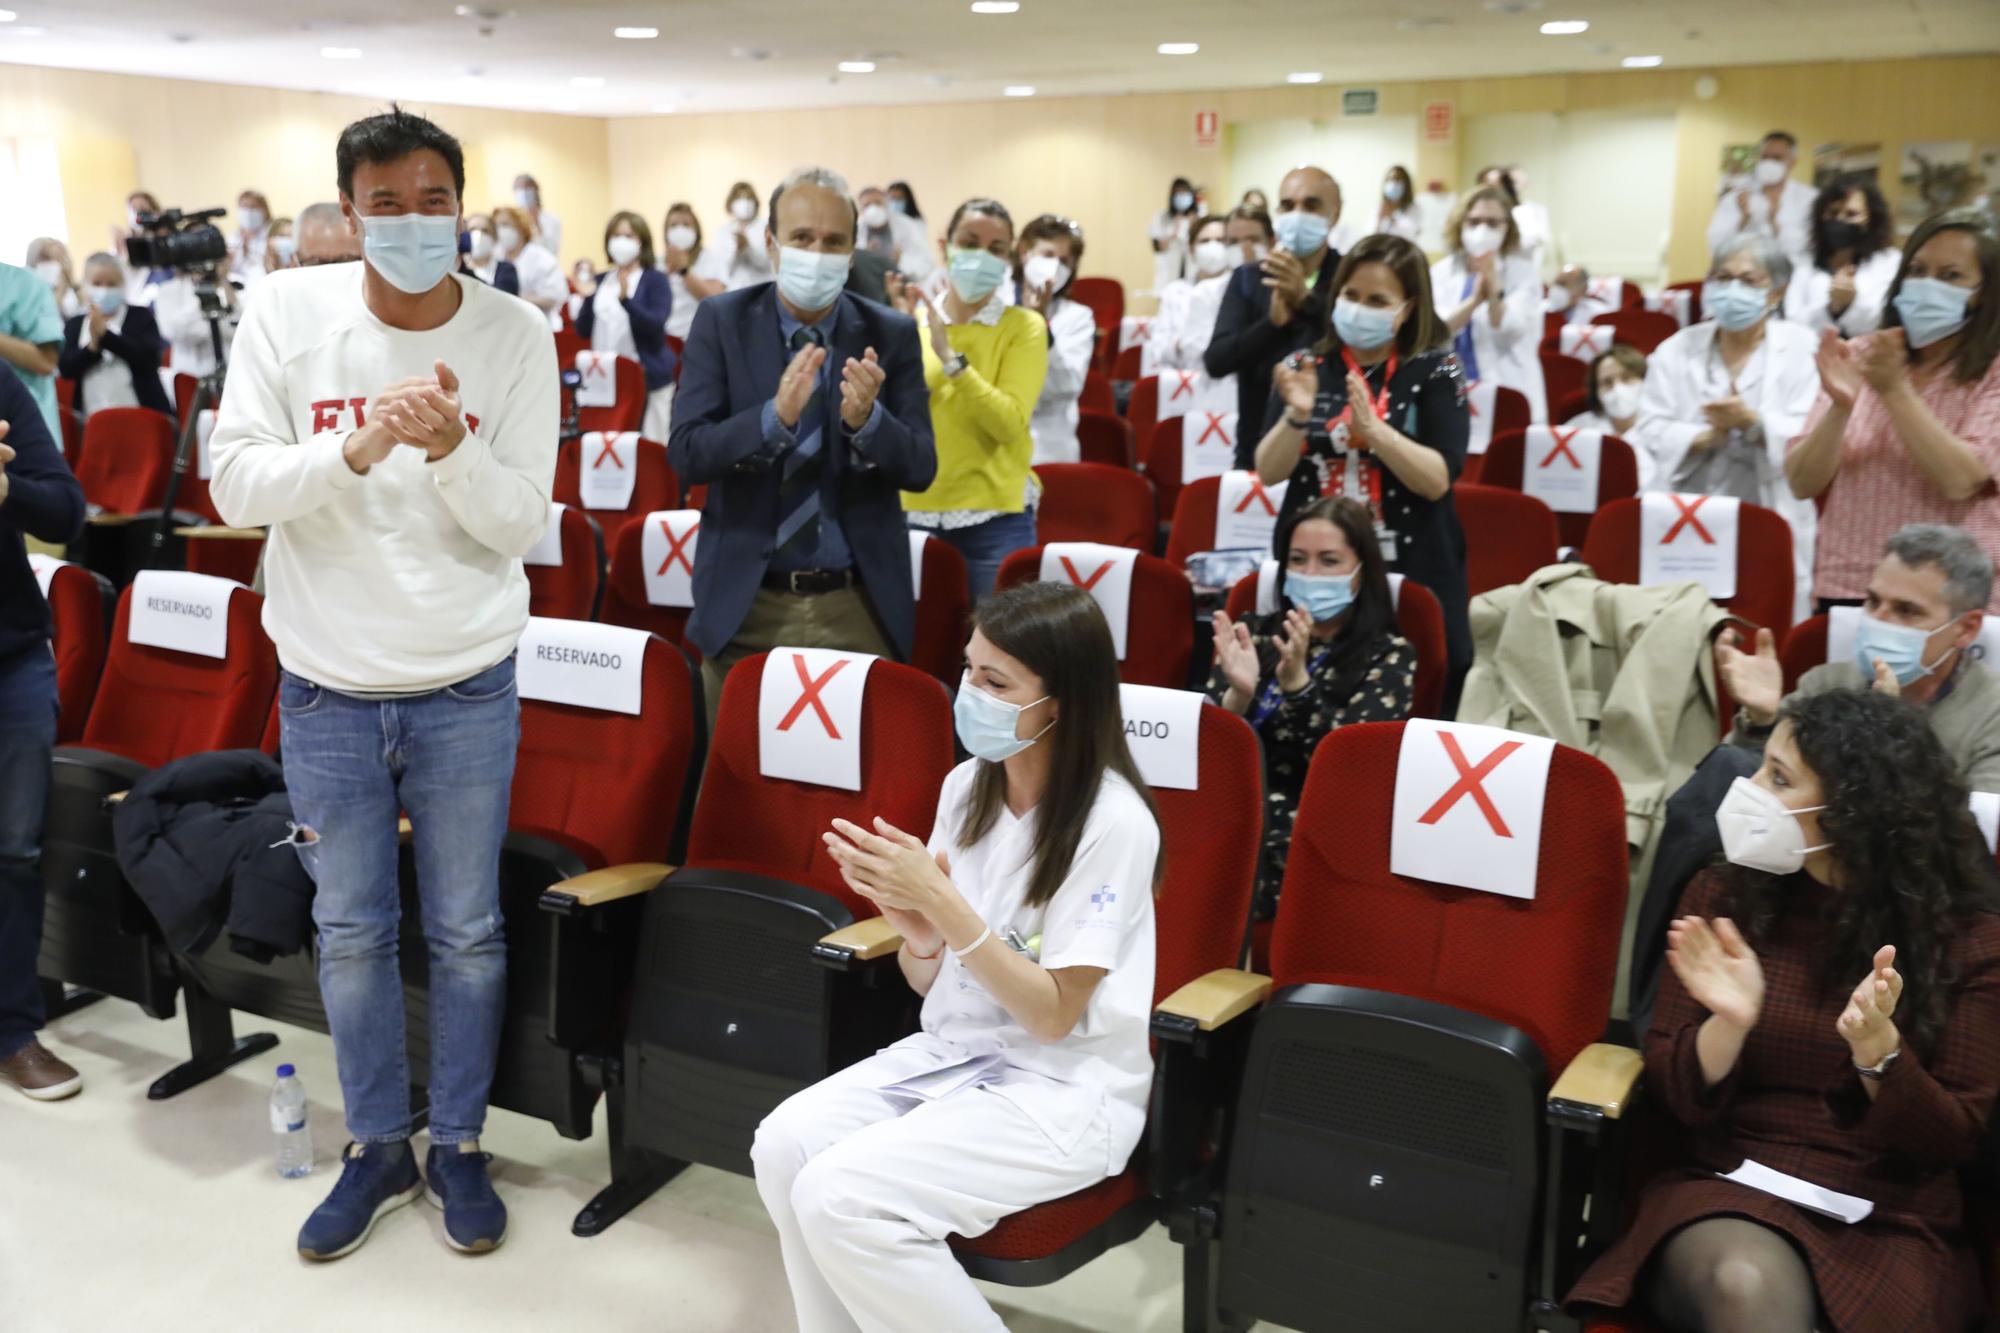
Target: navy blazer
[
  {"x": 1249, "y": 346},
  {"x": 734, "y": 359},
  {"x": 647, "y": 307},
  {"x": 139, "y": 347}
]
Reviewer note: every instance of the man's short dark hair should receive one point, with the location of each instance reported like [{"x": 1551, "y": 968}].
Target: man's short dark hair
[
  {"x": 1785, "y": 137},
  {"x": 391, "y": 137}
]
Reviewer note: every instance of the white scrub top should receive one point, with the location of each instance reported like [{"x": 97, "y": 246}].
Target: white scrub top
[
  {"x": 1073, "y": 338},
  {"x": 108, "y": 383},
  {"x": 1510, "y": 355},
  {"x": 611, "y": 327},
  {"x": 1811, "y": 288},
  {"x": 1186, "y": 322},
  {"x": 1101, "y": 916}
]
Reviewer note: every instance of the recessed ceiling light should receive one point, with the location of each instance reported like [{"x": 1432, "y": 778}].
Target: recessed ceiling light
[
  {"x": 1179, "y": 48},
  {"x": 1019, "y": 90},
  {"x": 1304, "y": 76},
  {"x": 1564, "y": 27},
  {"x": 587, "y": 81},
  {"x": 341, "y": 52},
  {"x": 636, "y": 34},
  {"x": 8, "y": 15},
  {"x": 565, "y": 106},
  {"x": 664, "y": 109},
  {"x": 1641, "y": 62},
  {"x": 857, "y": 67},
  {"x": 996, "y": 6}
]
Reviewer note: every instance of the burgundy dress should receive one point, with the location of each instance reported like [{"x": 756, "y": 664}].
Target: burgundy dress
[{"x": 1794, "y": 1103}]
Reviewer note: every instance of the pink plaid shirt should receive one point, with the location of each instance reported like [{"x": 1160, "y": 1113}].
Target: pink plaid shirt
[{"x": 1878, "y": 489}]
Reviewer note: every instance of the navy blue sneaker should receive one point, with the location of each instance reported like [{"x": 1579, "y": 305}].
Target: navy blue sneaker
[
  {"x": 475, "y": 1220},
  {"x": 375, "y": 1178}
]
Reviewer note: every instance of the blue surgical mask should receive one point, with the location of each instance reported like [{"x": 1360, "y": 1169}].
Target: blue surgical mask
[
  {"x": 1363, "y": 326},
  {"x": 1734, "y": 305},
  {"x": 987, "y": 726},
  {"x": 975, "y": 274},
  {"x": 1301, "y": 233},
  {"x": 525, "y": 198},
  {"x": 413, "y": 252},
  {"x": 1321, "y": 596},
  {"x": 108, "y": 299},
  {"x": 1931, "y": 309},
  {"x": 811, "y": 280},
  {"x": 1183, "y": 201},
  {"x": 1901, "y": 648},
  {"x": 1393, "y": 191},
  {"x": 897, "y": 206}
]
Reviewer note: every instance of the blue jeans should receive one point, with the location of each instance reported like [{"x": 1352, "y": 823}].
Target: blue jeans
[
  {"x": 985, "y": 545},
  {"x": 27, "y": 735},
  {"x": 447, "y": 760}
]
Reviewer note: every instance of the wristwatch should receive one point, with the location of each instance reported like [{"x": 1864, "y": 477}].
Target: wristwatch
[
  {"x": 1877, "y": 1071},
  {"x": 955, "y": 365}
]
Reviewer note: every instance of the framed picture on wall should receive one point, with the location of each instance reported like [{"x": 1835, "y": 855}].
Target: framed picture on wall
[
  {"x": 1937, "y": 176},
  {"x": 1852, "y": 161}
]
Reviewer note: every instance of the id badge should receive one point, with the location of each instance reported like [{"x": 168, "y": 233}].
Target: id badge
[{"x": 1386, "y": 539}]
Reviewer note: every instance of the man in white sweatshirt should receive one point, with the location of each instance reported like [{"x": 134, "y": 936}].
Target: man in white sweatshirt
[{"x": 394, "y": 425}]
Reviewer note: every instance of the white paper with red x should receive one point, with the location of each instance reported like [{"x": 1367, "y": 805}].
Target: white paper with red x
[
  {"x": 1208, "y": 443},
  {"x": 1163, "y": 731},
  {"x": 809, "y": 716},
  {"x": 1479, "y": 399},
  {"x": 188, "y": 613},
  {"x": 610, "y": 467},
  {"x": 600, "y": 379},
  {"x": 45, "y": 567},
  {"x": 1586, "y": 341},
  {"x": 1679, "y": 304},
  {"x": 582, "y": 663},
  {"x": 1134, "y": 331},
  {"x": 1689, "y": 537},
  {"x": 1559, "y": 467},
  {"x": 1607, "y": 292},
  {"x": 204, "y": 426},
  {"x": 666, "y": 552},
  {"x": 1246, "y": 511},
  {"x": 1105, "y": 572},
  {"x": 1468, "y": 808},
  {"x": 548, "y": 550},
  {"x": 1180, "y": 391}
]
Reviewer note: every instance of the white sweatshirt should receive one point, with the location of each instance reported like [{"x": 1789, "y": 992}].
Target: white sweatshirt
[{"x": 409, "y": 578}]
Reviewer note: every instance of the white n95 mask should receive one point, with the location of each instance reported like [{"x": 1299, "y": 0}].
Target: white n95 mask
[{"x": 1760, "y": 831}]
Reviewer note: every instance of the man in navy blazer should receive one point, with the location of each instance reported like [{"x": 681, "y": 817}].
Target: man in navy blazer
[{"x": 804, "y": 411}]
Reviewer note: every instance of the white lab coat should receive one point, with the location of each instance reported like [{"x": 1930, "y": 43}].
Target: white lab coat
[
  {"x": 1186, "y": 321},
  {"x": 611, "y": 331},
  {"x": 1170, "y": 262},
  {"x": 541, "y": 278},
  {"x": 1780, "y": 383},
  {"x": 177, "y": 310},
  {"x": 752, "y": 264},
  {"x": 1806, "y": 297},
  {"x": 548, "y": 230},
  {"x": 1792, "y": 228},
  {"x": 1531, "y": 219},
  {"x": 972, "y": 1119},
  {"x": 1509, "y": 355},
  {"x": 246, "y": 256},
  {"x": 911, "y": 248},
  {"x": 1404, "y": 222},
  {"x": 1073, "y": 330}
]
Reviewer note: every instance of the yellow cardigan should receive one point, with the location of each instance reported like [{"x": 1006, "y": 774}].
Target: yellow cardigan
[{"x": 980, "y": 418}]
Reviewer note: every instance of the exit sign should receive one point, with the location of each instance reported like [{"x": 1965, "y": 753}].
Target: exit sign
[{"x": 1359, "y": 101}]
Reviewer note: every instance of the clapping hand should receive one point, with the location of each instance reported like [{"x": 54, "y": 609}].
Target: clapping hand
[
  {"x": 1838, "y": 373},
  {"x": 860, "y": 382},
  {"x": 890, "y": 868},
  {"x": 1756, "y": 680},
  {"x": 1036, "y": 296},
  {"x": 427, "y": 414},
  {"x": 1293, "y": 639},
  {"x": 1236, "y": 655},
  {"x": 1298, "y": 385},
  {"x": 940, "y": 327},
  {"x": 1718, "y": 969},
  {"x": 1840, "y": 292},
  {"x": 902, "y": 295},
  {"x": 1285, "y": 276},
  {"x": 1885, "y": 361},
  {"x": 795, "y": 386},
  {"x": 1867, "y": 1023},
  {"x": 99, "y": 323},
  {"x": 1729, "y": 414},
  {"x": 1363, "y": 425}
]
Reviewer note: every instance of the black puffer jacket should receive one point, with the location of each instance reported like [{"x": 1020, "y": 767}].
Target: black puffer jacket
[{"x": 205, "y": 842}]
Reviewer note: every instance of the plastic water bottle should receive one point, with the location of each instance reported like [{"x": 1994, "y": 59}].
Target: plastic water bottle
[{"x": 288, "y": 1124}]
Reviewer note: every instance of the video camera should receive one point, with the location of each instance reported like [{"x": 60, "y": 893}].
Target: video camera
[{"x": 173, "y": 239}]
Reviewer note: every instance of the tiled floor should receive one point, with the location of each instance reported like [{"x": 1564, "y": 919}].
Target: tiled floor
[{"x": 118, "y": 1214}]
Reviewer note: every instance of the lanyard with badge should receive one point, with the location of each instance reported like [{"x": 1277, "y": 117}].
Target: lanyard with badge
[{"x": 1367, "y": 471}]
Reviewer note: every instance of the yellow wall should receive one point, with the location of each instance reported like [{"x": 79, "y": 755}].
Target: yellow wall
[
  {"x": 1105, "y": 161},
  {"x": 196, "y": 145}
]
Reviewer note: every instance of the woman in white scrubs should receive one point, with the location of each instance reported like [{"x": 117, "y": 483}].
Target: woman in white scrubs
[
  {"x": 1027, "y": 926},
  {"x": 1487, "y": 290}
]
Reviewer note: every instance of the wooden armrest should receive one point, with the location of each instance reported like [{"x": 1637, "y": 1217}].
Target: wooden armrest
[
  {"x": 112, "y": 520},
  {"x": 611, "y": 883},
  {"x": 1602, "y": 1075},
  {"x": 1212, "y": 1000},
  {"x": 865, "y": 940},
  {"x": 221, "y": 534}
]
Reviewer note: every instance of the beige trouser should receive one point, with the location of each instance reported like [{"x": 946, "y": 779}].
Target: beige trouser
[{"x": 840, "y": 619}]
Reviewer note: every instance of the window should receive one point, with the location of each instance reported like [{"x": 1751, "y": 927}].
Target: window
[{"x": 31, "y": 184}]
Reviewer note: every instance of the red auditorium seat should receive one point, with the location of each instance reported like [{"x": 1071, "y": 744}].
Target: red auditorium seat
[
  {"x": 1142, "y": 409},
  {"x": 1210, "y": 838},
  {"x": 1763, "y": 560},
  {"x": 1693, "y": 289},
  {"x": 630, "y": 409},
  {"x": 1419, "y": 619},
  {"x": 1089, "y": 502},
  {"x": 1643, "y": 329},
  {"x": 1617, "y": 477},
  {"x": 1508, "y": 535},
  {"x": 1160, "y": 631},
  {"x": 1126, "y": 365},
  {"x": 1097, "y": 395},
  {"x": 1562, "y": 376},
  {"x": 1510, "y": 412},
  {"x": 80, "y": 607},
  {"x": 625, "y": 601},
  {"x": 226, "y": 553},
  {"x": 654, "y": 484},
  {"x": 944, "y": 609},
  {"x": 1104, "y": 438},
  {"x": 1801, "y": 650},
  {"x": 569, "y": 591},
  {"x": 128, "y": 453},
  {"x": 1106, "y": 299}
]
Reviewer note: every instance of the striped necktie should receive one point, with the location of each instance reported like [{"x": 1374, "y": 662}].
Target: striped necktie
[{"x": 799, "y": 492}]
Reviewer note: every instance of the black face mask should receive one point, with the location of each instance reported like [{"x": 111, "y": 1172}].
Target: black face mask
[{"x": 1840, "y": 234}]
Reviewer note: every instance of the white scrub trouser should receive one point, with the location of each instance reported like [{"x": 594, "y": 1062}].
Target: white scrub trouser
[
  {"x": 864, "y": 1187},
  {"x": 659, "y": 418}
]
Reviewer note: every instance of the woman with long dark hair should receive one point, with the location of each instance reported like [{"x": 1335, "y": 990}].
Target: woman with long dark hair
[
  {"x": 1854, "y": 259},
  {"x": 1027, "y": 926},
  {"x": 1172, "y": 232},
  {"x": 1330, "y": 658},
  {"x": 1376, "y": 411},
  {"x": 1831, "y": 1012}
]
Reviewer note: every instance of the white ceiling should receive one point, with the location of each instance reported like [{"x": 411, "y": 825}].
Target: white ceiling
[{"x": 741, "y": 54}]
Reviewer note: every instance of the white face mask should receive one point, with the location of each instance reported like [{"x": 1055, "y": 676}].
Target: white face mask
[
  {"x": 1762, "y": 832},
  {"x": 1045, "y": 271},
  {"x": 622, "y": 249},
  {"x": 875, "y": 217},
  {"x": 482, "y": 247},
  {"x": 1621, "y": 401},
  {"x": 681, "y": 236},
  {"x": 50, "y": 271},
  {"x": 1770, "y": 170},
  {"x": 1212, "y": 257},
  {"x": 1480, "y": 239},
  {"x": 743, "y": 209},
  {"x": 524, "y": 197},
  {"x": 252, "y": 217},
  {"x": 510, "y": 239}
]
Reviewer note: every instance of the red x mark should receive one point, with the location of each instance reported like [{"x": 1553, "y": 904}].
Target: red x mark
[
  {"x": 677, "y": 547},
  {"x": 1214, "y": 427},
  {"x": 1471, "y": 403},
  {"x": 1586, "y": 340},
  {"x": 1079, "y": 580},
  {"x": 1141, "y": 329},
  {"x": 1183, "y": 384},
  {"x": 809, "y": 694},
  {"x": 1688, "y": 520},
  {"x": 1468, "y": 783},
  {"x": 594, "y": 366},
  {"x": 1260, "y": 495},
  {"x": 1562, "y": 447},
  {"x": 610, "y": 451}
]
